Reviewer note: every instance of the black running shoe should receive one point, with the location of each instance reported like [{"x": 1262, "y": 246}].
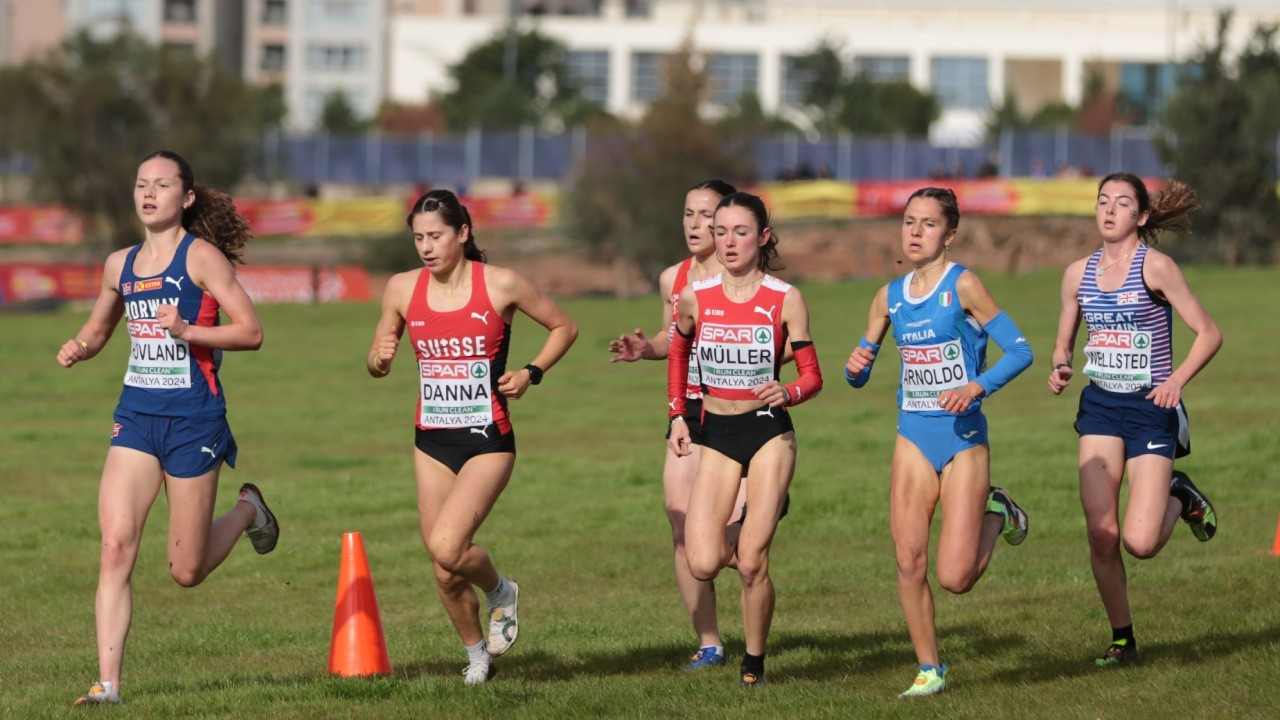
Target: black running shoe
[{"x": 1199, "y": 512}]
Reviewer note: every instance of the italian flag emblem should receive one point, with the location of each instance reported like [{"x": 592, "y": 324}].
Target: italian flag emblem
[{"x": 944, "y": 299}]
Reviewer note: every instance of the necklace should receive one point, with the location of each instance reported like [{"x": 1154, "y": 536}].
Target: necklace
[
  {"x": 749, "y": 283},
  {"x": 1103, "y": 268}
]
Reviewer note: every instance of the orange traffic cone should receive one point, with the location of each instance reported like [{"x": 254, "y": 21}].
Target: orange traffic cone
[
  {"x": 1275, "y": 547},
  {"x": 357, "y": 647}
]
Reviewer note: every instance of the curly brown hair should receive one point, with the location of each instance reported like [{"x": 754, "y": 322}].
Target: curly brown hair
[{"x": 213, "y": 216}]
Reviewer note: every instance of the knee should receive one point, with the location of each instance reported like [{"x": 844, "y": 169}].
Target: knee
[
  {"x": 913, "y": 563},
  {"x": 957, "y": 582},
  {"x": 186, "y": 575},
  {"x": 702, "y": 566},
  {"x": 446, "y": 554},
  {"x": 1141, "y": 548},
  {"x": 753, "y": 569},
  {"x": 1104, "y": 541},
  {"x": 449, "y": 582},
  {"x": 117, "y": 554}
]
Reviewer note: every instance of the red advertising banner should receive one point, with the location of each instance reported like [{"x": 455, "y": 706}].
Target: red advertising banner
[
  {"x": 35, "y": 281},
  {"x": 285, "y": 216},
  {"x": 40, "y": 224},
  {"x": 526, "y": 210},
  {"x": 20, "y": 282}
]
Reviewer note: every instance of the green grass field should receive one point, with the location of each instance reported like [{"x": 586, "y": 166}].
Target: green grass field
[{"x": 582, "y": 528}]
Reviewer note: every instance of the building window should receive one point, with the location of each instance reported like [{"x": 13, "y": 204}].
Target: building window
[
  {"x": 274, "y": 12},
  {"x": 795, "y": 81},
  {"x": 336, "y": 58},
  {"x": 1145, "y": 88},
  {"x": 180, "y": 11},
  {"x": 883, "y": 68},
  {"x": 647, "y": 81},
  {"x": 272, "y": 58},
  {"x": 730, "y": 75},
  {"x": 961, "y": 83},
  {"x": 109, "y": 10},
  {"x": 589, "y": 72},
  {"x": 337, "y": 12}
]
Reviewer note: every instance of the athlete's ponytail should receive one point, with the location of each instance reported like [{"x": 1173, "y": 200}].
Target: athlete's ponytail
[
  {"x": 1170, "y": 211},
  {"x": 452, "y": 213},
  {"x": 768, "y": 259},
  {"x": 212, "y": 216}
]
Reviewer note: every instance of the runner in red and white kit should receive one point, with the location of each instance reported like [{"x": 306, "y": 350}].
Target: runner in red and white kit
[
  {"x": 458, "y": 311},
  {"x": 741, "y": 319},
  {"x": 678, "y": 472}
]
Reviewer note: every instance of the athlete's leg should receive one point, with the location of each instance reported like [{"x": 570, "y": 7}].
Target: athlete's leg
[
  {"x": 1152, "y": 512},
  {"x": 969, "y": 532},
  {"x": 1101, "y": 472},
  {"x": 451, "y": 509},
  {"x": 130, "y": 482},
  {"x": 711, "y": 506},
  {"x": 914, "y": 490},
  {"x": 699, "y": 596},
  {"x": 197, "y": 542},
  {"x": 767, "y": 483}
]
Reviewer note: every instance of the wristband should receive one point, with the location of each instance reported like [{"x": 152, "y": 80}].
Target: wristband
[
  {"x": 535, "y": 373},
  {"x": 1059, "y": 366},
  {"x": 84, "y": 346}
]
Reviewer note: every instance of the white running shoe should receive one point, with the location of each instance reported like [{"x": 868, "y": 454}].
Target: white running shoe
[
  {"x": 504, "y": 626},
  {"x": 265, "y": 531},
  {"x": 102, "y": 693},
  {"x": 478, "y": 672}
]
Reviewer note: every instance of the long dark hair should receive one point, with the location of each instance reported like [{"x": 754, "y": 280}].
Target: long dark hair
[
  {"x": 1170, "y": 211},
  {"x": 946, "y": 197},
  {"x": 768, "y": 260},
  {"x": 452, "y": 213},
  {"x": 718, "y": 187},
  {"x": 212, "y": 216}
]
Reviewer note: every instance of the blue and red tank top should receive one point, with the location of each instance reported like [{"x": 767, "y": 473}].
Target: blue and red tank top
[
  {"x": 694, "y": 388},
  {"x": 461, "y": 354},
  {"x": 167, "y": 376},
  {"x": 941, "y": 347},
  {"x": 739, "y": 344},
  {"x": 1130, "y": 344}
]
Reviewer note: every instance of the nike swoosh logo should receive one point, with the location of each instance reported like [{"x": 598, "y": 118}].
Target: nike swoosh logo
[
  {"x": 1087, "y": 300},
  {"x": 1151, "y": 446}
]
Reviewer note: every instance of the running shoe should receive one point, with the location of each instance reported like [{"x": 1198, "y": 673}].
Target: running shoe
[
  {"x": 102, "y": 693},
  {"x": 478, "y": 672},
  {"x": 1120, "y": 652},
  {"x": 504, "y": 626},
  {"x": 929, "y": 681},
  {"x": 706, "y": 657},
  {"x": 1199, "y": 512},
  {"x": 751, "y": 679},
  {"x": 265, "y": 531},
  {"x": 1015, "y": 518}
]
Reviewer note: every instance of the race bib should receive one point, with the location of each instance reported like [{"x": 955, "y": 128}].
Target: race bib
[
  {"x": 927, "y": 370},
  {"x": 735, "y": 357},
  {"x": 156, "y": 360},
  {"x": 1119, "y": 360},
  {"x": 455, "y": 393}
]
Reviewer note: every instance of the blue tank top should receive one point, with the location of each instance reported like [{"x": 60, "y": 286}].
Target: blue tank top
[
  {"x": 167, "y": 376},
  {"x": 941, "y": 348},
  {"x": 1130, "y": 344}
]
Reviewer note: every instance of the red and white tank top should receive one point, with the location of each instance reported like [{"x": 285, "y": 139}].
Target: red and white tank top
[
  {"x": 461, "y": 354},
  {"x": 739, "y": 344},
  {"x": 694, "y": 391}
]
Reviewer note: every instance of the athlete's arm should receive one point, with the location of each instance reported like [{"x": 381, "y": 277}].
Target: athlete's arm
[
  {"x": 515, "y": 292},
  {"x": 1068, "y": 327},
  {"x": 857, "y": 371},
  {"x": 386, "y": 337},
  {"x": 678, "y": 370},
  {"x": 630, "y": 347},
  {"x": 978, "y": 302},
  {"x": 795, "y": 320},
  {"x": 210, "y": 270},
  {"x": 103, "y": 319},
  {"x": 1163, "y": 276}
]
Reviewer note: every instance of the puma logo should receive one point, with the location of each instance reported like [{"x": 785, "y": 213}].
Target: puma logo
[
  {"x": 672, "y": 404},
  {"x": 484, "y": 430},
  {"x": 482, "y": 318},
  {"x": 176, "y": 283},
  {"x": 767, "y": 313},
  {"x": 765, "y": 412},
  {"x": 211, "y": 452}
]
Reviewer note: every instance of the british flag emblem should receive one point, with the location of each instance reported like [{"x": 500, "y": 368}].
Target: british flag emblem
[
  {"x": 115, "y": 430},
  {"x": 1127, "y": 298}
]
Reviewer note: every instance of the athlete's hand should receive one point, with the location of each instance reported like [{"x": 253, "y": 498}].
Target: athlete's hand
[
  {"x": 513, "y": 383},
  {"x": 385, "y": 350},
  {"x": 772, "y": 393},
  {"x": 1167, "y": 394},
  {"x": 860, "y": 359},
  {"x": 71, "y": 352},
  {"x": 958, "y": 400},
  {"x": 168, "y": 318},
  {"x": 678, "y": 440},
  {"x": 1059, "y": 378},
  {"x": 630, "y": 348}
]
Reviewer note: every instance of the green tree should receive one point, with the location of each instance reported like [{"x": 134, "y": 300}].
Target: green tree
[
  {"x": 87, "y": 114},
  {"x": 339, "y": 116},
  {"x": 625, "y": 203},
  {"x": 495, "y": 90},
  {"x": 836, "y": 101},
  {"x": 1222, "y": 129}
]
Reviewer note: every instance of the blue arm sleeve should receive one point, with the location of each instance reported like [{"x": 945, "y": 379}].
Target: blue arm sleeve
[
  {"x": 861, "y": 378},
  {"x": 1017, "y": 353}
]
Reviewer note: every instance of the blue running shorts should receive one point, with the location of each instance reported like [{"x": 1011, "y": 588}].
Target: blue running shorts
[
  {"x": 1145, "y": 428},
  {"x": 942, "y": 438},
  {"x": 185, "y": 447}
]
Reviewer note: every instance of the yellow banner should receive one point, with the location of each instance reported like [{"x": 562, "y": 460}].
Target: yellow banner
[{"x": 359, "y": 216}]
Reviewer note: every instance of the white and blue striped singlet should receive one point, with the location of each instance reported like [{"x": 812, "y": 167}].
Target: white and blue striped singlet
[{"x": 1130, "y": 346}]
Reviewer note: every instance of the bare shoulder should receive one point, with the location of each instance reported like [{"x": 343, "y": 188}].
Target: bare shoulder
[
  {"x": 114, "y": 265},
  {"x": 1159, "y": 262},
  {"x": 402, "y": 283},
  {"x": 968, "y": 280},
  {"x": 504, "y": 279},
  {"x": 1075, "y": 271}
]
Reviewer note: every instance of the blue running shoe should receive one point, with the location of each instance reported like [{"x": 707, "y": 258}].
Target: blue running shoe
[{"x": 707, "y": 657}]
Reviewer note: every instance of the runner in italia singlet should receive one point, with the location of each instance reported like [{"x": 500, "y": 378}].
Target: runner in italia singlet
[
  {"x": 167, "y": 376},
  {"x": 739, "y": 345},
  {"x": 941, "y": 347},
  {"x": 1129, "y": 348},
  {"x": 461, "y": 354}
]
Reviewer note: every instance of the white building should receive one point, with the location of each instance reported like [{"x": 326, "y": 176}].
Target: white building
[{"x": 966, "y": 52}]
